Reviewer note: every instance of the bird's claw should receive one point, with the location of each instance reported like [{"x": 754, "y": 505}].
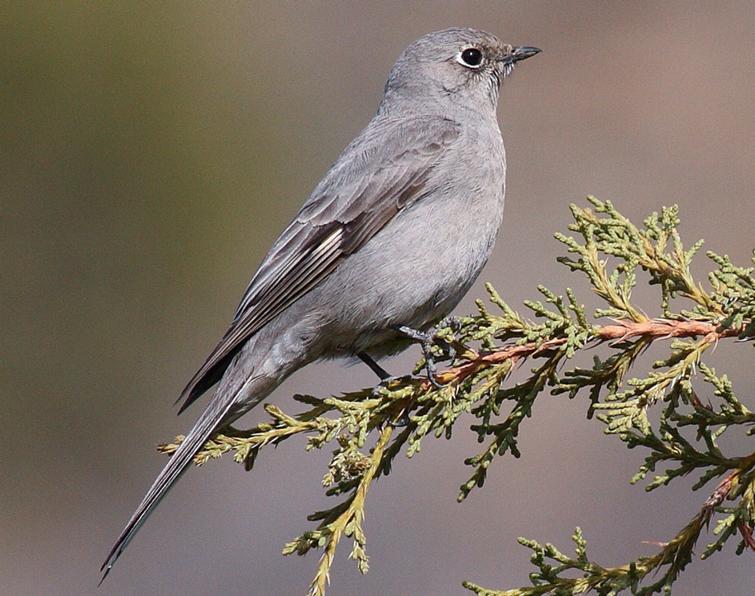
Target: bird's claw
[
  {"x": 385, "y": 383},
  {"x": 403, "y": 420},
  {"x": 452, "y": 322},
  {"x": 425, "y": 339}
]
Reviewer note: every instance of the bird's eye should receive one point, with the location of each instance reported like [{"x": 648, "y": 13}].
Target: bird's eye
[{"x": 471, "y": 57}]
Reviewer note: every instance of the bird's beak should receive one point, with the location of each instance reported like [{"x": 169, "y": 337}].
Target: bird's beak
[{"x": 520, "y": 53}]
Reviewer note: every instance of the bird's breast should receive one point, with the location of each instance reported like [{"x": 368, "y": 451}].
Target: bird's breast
[{"x": 417, "y": 268}]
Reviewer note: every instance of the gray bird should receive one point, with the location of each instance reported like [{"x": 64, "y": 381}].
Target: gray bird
[{"x": 388, "y": 242}]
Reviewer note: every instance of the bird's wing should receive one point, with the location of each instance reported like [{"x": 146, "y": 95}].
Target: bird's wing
[{"x": 385, "y": 169}]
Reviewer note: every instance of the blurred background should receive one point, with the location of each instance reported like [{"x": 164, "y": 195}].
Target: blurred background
[{"x": 151, "y": 152}]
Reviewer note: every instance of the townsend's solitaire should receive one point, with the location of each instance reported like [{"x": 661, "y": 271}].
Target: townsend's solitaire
[{"x": 393, "y": 236}]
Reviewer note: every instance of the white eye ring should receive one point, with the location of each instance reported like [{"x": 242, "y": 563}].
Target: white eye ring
[{"x": 470, "y": 57}]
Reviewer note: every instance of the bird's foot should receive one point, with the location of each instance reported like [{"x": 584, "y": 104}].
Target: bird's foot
[
  {"x": 452, "y": 322},
  {"x": 387, "y": 383},
  {"x": 425, "y": 339},
  {"x": 402, "y": 421}
]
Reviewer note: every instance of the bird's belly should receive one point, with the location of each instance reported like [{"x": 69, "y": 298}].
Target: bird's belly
[{"x": 414, "y": 272}]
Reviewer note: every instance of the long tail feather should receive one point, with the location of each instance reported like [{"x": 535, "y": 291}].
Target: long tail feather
[{"x": 177, "y": 465}]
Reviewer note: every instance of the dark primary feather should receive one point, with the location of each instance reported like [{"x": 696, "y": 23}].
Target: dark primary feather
[{"x": 369, "y": 184}]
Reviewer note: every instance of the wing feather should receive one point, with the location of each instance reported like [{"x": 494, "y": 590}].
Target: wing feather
[{"x": 385, "y": 169}]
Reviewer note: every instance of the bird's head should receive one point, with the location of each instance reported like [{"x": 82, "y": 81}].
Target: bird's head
[{"x": 457, "y": 65}]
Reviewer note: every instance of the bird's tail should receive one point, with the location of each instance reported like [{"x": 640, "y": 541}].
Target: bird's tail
[{"x": 207, "y": 423}]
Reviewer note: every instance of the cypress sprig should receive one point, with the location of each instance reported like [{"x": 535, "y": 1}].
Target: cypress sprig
[{"x": 481, "y": 350}]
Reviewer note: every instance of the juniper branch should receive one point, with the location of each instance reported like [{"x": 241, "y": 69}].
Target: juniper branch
[{"x": 480, "y": 351}]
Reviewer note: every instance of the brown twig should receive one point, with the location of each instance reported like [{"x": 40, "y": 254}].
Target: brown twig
[{"x": 620, "y": 331}]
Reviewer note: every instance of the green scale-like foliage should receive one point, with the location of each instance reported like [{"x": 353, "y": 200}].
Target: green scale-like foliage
[{"x": 480, "y": 351}]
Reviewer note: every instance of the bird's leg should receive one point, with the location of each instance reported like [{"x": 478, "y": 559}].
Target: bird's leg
[
  {"x": 385, "y": 377},
  {"x": 374, "y": 366},
  {"x": 425, "y": 340}
]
